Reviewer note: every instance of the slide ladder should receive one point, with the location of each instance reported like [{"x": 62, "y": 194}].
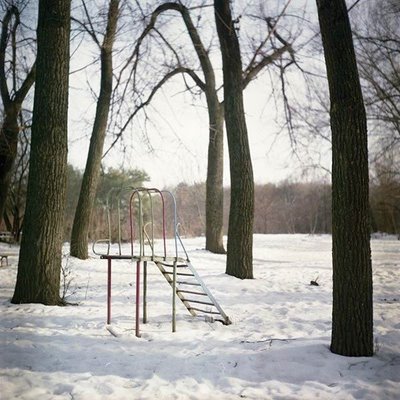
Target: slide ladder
[{"x": 193, "y": 292}]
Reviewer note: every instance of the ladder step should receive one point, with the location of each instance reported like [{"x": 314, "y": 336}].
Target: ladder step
[
  {"x": 188, "y": 283},
  {"x": 204, "y": 311},
  {"x": 191, "y": 292},
  {"x": 194, "y": 280},
  {"x": 199, "y": 302},
  {"x": 178, "y": 273},
  {"x": 172, "y": 265}
]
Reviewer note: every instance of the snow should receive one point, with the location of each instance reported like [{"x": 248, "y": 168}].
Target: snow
[{"x": 276, "y": 348}]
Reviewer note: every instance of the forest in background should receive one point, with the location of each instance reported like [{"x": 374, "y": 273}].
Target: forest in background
[{"x": 284, "y": 207}]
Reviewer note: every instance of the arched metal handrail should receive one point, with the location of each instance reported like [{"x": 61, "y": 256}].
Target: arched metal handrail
[{"x": 114, "y": 197}]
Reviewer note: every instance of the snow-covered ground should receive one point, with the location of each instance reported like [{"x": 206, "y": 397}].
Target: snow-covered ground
[{"x": 276, "y": 348}]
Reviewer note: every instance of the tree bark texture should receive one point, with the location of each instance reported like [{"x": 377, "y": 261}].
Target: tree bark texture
[
  {"x": 241, "y": 214},
  {"x": 352, "y": 316},
  {"x": 81, "y": 225},
  {"x": 11, "y": 107},
  {"x": 38, "y": 279}
]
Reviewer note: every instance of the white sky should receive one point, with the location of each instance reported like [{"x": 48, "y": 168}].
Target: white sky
[{"x": 180, "y": 142}]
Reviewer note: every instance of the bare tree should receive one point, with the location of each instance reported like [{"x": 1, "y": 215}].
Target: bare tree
[
  {"x": 261, "y": 57},
  {"x": 38, "y": 279},
  {"x": 81, "y": 225},
  {"x": 239, "y": 261},
  {"x": 377, "y": 44},
  {"x": 352, "y": 316},
  {"x": 15, "y": 206},
  {"x": 13, "y": 92},
  {"x": 378, "y": 51}
]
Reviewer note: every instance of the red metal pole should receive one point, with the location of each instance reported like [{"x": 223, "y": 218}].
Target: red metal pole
[
  {"x": 109, "y": 291},
  {"x": 137, "y": 298}
]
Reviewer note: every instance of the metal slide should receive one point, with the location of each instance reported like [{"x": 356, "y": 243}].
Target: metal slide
[{"x": 176, "y": 268}]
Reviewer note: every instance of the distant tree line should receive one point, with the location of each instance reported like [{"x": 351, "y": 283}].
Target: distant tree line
[
  {"x": 284, "y": 207},
  {"x": 293, "y": 207}
]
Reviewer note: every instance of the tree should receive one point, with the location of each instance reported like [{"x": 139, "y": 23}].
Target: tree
[
  {"x": 239, "y": 261},
  {"x": 12, "y": 98},
  {"x": 38, "y": 278},
  {"x": 376, "y": 35},
  {"x": 15, "y": 206},
  {"x": 207, "y": 84},
  {"x": 214, "y": 185},
  {"x": 352, "y": 317},
  {"x": 378, "y": 51},
  {"x": 81, "y": 225},
  {"x": 74, "y": 183}
]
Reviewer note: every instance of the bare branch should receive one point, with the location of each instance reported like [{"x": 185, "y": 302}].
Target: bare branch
[
  {"x": 166, "y": 77},
  {"x": 250, "y": 73},
  {"x": 353, "y": 5},
  {"x": 262, "y": 44},
  {"x": 26, "y": 85},
  {"x": 168, "y": 45},
  {"x": 197, "y": 43},
  {"x": 5, "y": 94},
  {"x": 20, "y": 94},
  {"x": 91, "y": 31}
]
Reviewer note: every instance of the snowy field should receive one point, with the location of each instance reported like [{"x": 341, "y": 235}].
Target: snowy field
[{"x": 276, "y": 348}]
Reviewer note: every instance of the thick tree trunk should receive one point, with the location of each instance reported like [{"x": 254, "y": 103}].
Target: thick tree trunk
[
  {"x": 352, "y": 317},
  {"x": 214, "y": 183},
  {"x": 241, "y": 215},
  {"x": 81, "y": 225},
  {"x": 38, "y": 279}
]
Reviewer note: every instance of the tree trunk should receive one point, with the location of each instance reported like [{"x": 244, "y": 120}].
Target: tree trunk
[
  {"x": 241, "y": 215},
  {"x": 11, "y": 104},
  {"x": 214, "y": 183},
  {"x": 8, "y": 154},
  {"x": 215, "y": 166},
  {"x": 352, "y": 317},
  {"x": 81, "y": 225},
  {"x": 38, "y": 279}
]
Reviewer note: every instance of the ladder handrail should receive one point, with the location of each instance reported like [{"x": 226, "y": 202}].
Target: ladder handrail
[
  {"x": 206, "y": 290},
  {"x": 180, "y": 241},
  {"x": 175, "y": 219},
  {"x": 140, "y": 192}
]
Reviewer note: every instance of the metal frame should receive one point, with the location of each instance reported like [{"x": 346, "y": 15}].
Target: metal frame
[
  {"x": 142, "y": 235},
  {"x": 138, "y": 227}
]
